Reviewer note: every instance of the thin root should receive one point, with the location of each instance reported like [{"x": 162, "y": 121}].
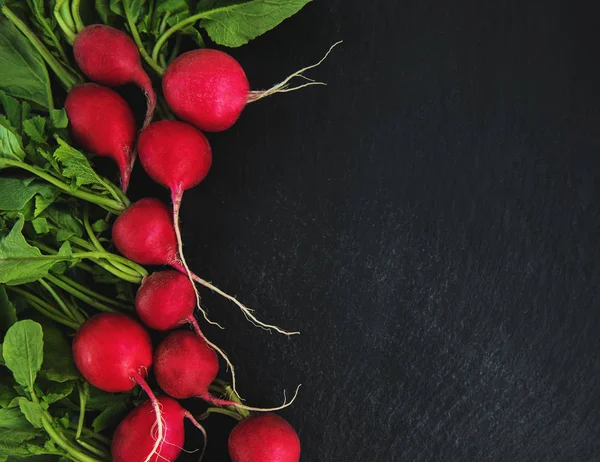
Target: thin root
[
  {"x": 176, "y": 199},
  {"x": 198, "y": 331},
  {"x": 224, "y": 402},
  {"x": 284, "y": 85},
  {"x": 197, "y": 424},
  {"x": 247, "y": 311}
]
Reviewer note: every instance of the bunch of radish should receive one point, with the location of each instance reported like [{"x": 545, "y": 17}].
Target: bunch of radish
[{"x": 207, "y": 89}]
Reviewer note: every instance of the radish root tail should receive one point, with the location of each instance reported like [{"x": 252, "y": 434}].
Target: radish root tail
[
  {"x": 197, "y": 424},
  {"x": 144, "y": 82},
  {"x": 224, "y": 402},
  {"x": 125, "y": 172},
  {"x": 176, "y": 199},
  {"x": 284, "y": 85},
  {"x": 198, "y": 331},
  {"x": 247, "y": 311},
  {"x": 160, "y": 422}
]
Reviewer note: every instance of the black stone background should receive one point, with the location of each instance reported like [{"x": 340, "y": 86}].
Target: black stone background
[{"x": 429, "y": 222}]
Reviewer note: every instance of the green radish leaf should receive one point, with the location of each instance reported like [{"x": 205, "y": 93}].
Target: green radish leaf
[
  {"x": 23, "y": 351},
  {"x": 58, "y": 363},
  {"x": 17, "y": 437},
  {"x": 20, "y": 262},
  {"x": 99, "y": 400},
  {"x": 65, "y": 220},
  {"x": 58, "y": 118},
  {"x": 34, "y": 128},
  {"x": 235, "y": 24},
  {"x": 195, "y": 35},
  {"x": 205, "y": 5},
  {"x": 172, "y": 7},
  {"x": 110, "y": 415},
  {"x": 15, "y": 192},
  {"x": 40, "y": 225},
  {"x": 103, "y": 10},
  {"x": 11, "y": 144},
  {"x": 14, "y": 427},
  {"x": 23, "y": 73},
  {"x": 7, "y": 392},
  {"x": 27, "y": 450},
  {"x": 42, "y": 202},
  {"x": 13, "y": 419},
  {"x": 8, "y": 313},
  {"x": 116, "y": 6},
  {"x": 135, "y": 8},
  {"x": 100, "y": 226},
  {"x": 58, "y": 391},
  {"x": 12, "y": 109},
  {"x": 32, "y": 412},
  {"x": 52, "y": 164},
  {"x": 178, "y": 11},
  {"x": 64, "y": 420},
  {"x": 46, "y": 24},
  {"x": 76, "y": 166}
]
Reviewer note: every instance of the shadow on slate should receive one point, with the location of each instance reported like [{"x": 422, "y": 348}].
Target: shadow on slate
[{"x": 429, "y": 222}]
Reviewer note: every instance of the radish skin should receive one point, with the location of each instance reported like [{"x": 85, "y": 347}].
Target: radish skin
[
  {"x": 114, "y": 353},
  {"x": 101, "y": 122},
  {"x": 108, "y": 56},
  {"x": 264, "y": 438},
  {"x": 134, "y": 437}
]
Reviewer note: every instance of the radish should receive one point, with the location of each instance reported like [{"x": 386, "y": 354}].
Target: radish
[
  {"x": 264, "y": 438},
  {"x": 145, "y": 234},
  {"x": 108, "y": 56},
  {"x": 166, "y": 300},
  {"x": 209, "y": 89},
  {"x": 185, "y": 366},
  {"x": 133, "y": 439},
  {"x": 101, "y": 122},
  {"x": 113, "y": 352}
]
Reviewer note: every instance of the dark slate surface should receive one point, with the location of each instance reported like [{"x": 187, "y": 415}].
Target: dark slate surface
[{"x": 429, "y": 222}]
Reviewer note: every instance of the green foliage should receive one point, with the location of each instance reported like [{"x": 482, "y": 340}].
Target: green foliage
[
  {"x": 235, "y": 24},
  {"x": 23, "y": 72}
]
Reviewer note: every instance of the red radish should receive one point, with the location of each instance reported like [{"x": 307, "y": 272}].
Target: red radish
[
  {"x": 113, "y": 352},
  {"x": 108, "y": 56},
  {"x": 209, "y": 89},
  {"x": 101, "y": 122},
  {"x": 264, "y": 438},
  {"x": 185, "y": 366},
  {"x": 145, "y": 234},
  {"x": 134, "y": 439},
  {"x": 175, "y": 155},
  {"x": 166, "y": 300}
]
